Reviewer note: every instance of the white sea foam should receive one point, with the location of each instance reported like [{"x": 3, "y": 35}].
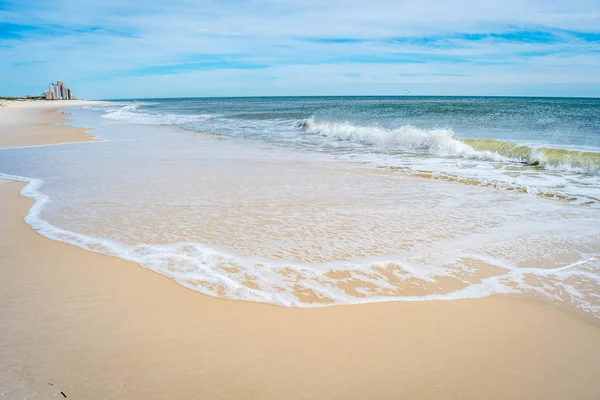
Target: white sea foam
[
  {"x": 441, "y": 142},
  {"x": 220, "y": 274},
  {"x": 129, "y": 114},
  {"x": 444, "y": 143}
]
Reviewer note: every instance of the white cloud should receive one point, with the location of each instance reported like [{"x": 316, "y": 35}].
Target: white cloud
[{"x": 97, "y": 47}]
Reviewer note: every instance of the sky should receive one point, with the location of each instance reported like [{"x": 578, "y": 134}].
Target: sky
[{"x": 112, "y": 49}]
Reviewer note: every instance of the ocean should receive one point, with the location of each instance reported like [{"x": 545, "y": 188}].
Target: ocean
[
  {"x": 323, "y": 201},
  {"x": 554, "y": 136}
]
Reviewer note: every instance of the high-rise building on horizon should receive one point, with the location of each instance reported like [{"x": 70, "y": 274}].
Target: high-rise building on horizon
[{"x": 58, "y": 91}]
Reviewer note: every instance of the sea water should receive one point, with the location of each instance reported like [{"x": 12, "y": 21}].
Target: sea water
[{"x": 322, "y": 201}]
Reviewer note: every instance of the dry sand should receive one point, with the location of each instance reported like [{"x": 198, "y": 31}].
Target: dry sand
[{"x": 96, "y": 327}]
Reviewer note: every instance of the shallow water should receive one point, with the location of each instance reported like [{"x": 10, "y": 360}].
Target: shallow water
[
  {"x": 546, "y": 146},
  {"x": 300, "y": 223}
]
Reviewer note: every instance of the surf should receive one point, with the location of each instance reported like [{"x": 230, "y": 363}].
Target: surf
[
  {"x": 544, "y": 157},
  {"x": 444, "y": 143}
]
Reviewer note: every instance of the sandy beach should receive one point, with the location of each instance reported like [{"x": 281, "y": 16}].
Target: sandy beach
[
  {"x": 42, "y": 126},
  {"x": 96, "y": 327}
]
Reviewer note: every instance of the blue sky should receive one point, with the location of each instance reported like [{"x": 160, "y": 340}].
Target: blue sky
[{"x": 118, "y": 49}]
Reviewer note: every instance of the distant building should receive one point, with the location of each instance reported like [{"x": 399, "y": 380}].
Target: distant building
[
  {"x": 55, "y": 90},
  {"x": 58, "y": 91}
]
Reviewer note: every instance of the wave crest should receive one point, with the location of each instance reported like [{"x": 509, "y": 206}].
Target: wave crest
[
  {"x": 443, "y": 142},
  {"x": 585, "y": 162}
]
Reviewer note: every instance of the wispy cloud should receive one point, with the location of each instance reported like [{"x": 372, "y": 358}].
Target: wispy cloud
[{"x": 272, "y": 47}]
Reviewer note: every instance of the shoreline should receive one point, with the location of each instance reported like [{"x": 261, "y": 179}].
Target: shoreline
[
  {"x": 98, "y": 327},
  {"x": 30, "y": 192}
]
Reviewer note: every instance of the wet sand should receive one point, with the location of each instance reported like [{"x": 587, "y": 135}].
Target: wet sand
[{"x": 96, "y": 327}]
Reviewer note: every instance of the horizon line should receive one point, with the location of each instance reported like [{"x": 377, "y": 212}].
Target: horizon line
[{"x": 346, "y": 96}]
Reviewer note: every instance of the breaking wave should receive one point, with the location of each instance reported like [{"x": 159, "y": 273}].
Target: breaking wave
[
  {"x": 585, "y": 162},
  {"x": 443, "y": 142}
]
